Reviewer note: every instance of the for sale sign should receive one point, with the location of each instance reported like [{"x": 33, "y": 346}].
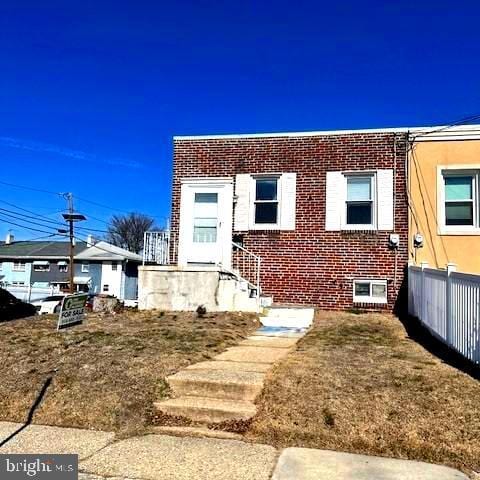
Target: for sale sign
[{"x": 72, "y": 311}]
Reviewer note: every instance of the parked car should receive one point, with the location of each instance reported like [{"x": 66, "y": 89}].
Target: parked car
[
  {"x": 12, "y": 308},
  {"x": 50, "y": 304}
]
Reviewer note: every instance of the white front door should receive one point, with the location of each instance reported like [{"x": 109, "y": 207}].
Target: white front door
[{"x": 206, "y": 222}]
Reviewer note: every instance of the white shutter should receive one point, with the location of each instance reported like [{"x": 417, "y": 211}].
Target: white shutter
[
  {"x": 242, "y": 205},
  {"x": 287, "y": 208},
  {"x": 335, "y": 200},
  {"x": 385, "y": 199}
]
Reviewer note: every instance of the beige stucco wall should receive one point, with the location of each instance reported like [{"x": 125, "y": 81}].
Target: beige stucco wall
[
  {"x": 439, "y": 249},
  {"x": 173, "y": 288}
]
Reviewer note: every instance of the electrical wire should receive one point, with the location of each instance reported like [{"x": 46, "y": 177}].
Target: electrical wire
[
  {"x": 23, "y": 226},
  {"x": 462, "y": 121},
  {"x": 16, "y": 217},
  {"x": 22, "y": 215},
  {"x": 29, "y": 211},
  {"x": 30, "y": 188}
]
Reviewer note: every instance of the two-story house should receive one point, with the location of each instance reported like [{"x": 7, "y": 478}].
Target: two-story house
[{"x": 99, "y": 267}]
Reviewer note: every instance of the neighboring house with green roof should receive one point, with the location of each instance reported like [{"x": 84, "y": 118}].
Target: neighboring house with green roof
[{"x": 98, "y": 267}]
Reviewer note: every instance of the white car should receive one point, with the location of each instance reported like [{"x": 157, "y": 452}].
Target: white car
[{"x": 49, "y": 304}]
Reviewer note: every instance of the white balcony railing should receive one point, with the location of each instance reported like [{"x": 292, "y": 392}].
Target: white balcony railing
[{"x": 156, "y": 247}]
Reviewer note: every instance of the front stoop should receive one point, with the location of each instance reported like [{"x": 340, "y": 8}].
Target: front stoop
[
  {"x": 224, "y": 389},
  {"x": 207, "y": 410},
  {"x": 222, "y": 384}
]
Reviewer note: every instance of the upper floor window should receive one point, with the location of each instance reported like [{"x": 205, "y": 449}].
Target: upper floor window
[
  {"x": 459, "y": 205},
  {"x": 63, "y": 268},
  {"x": 1, "y": 266},
  {"x": 114, "y": 266},
  {"x": 41, "y": 267},
  {"x": 85, "y": 267},
  {"x": 18, "y": 266},
  {"x": 266, "y": 200}
]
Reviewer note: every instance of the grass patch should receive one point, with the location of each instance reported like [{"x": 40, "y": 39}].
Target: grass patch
[
  {"x": 109, "y": 370},
  {"x": 357, "y": 383}
]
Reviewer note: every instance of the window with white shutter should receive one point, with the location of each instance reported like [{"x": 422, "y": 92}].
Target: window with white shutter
[
  {"x": 360, "y": 200},
  {"x": 265, "y": 202}
]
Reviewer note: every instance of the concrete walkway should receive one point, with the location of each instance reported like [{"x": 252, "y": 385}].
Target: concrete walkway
[
  {"x": 155, "y": 457},
  {"x": 224, "y": 389}
]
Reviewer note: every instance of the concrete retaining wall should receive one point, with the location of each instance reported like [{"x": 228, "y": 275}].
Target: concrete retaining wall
[{"x": 173, "y": 288}]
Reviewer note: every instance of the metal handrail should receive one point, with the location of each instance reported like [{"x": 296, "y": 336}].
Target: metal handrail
[{"x": 245, "y": 273}]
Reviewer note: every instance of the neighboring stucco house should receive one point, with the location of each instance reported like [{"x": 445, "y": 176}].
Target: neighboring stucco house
[
  {"x": 99, "y": 267},
  {"x": 444, "y": 186},
  {"x": 324, "y": 214}
]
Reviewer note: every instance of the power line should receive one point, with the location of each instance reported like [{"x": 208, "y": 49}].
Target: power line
[
  {"x": 36, "y": 217},
  {"x": 115, "y": 209},
  {"x": 42, "y": 218},
  {"x": 29, "y": 188},
  {"x": 23, "y": 226},
  {"x": 16, "y": 217},
  {"x": 28, "y": 211},
  {"x": 462, "y": 121}
]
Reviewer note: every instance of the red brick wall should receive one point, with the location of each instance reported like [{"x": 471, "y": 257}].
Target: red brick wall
[{"x": 309, "y": 266}]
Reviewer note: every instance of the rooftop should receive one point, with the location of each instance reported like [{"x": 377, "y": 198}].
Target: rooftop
[{"x": 439, "y": 132}]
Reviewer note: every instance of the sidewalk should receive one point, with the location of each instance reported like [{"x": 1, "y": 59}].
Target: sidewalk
[{"x": 155, "y": 457}]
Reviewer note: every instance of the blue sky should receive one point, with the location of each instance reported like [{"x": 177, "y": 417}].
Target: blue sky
[{"x": 91, "y": 93}]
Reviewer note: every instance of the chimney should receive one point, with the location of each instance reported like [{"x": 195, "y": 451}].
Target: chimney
[
  {"x": 9, "y": 238},
  {"x": 90, "y": 241}
]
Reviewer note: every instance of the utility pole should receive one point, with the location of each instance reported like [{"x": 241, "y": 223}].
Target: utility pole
[{"x": 71, "y": 217}]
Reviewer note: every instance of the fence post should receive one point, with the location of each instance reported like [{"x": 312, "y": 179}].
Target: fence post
[
  {"x": 451, "y": 267},
  {"x": 423, "y": 266}
]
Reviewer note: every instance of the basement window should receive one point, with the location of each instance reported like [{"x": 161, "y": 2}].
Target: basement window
[{"x": 370, "y": 291}]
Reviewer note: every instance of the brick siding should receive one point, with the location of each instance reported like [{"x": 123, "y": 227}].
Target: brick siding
[{"x": 309, "y": 266}]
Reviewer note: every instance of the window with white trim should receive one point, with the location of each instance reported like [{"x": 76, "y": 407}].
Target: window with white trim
[
  {"x": 460, "y": 200},
  {"x": 266, "y": 211},
  {"x": 18, "y": 267},
  {"x": 41, "y": 267},
  {"x": 85, "y": 267},
  {"x": 18, "y": 284},
  {"x": 370, "y": 291},
  {"x": 105, "y": 288},
  {"x": 63, "y": 268},
  {"x": 360, "y": 201},
  {"x": 114, "y": 266}
]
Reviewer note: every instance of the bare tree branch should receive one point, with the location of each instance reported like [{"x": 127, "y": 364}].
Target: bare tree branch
[{"x": 127, "y": 231}]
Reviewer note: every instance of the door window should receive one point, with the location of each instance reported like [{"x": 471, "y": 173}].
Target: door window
[{"x": 205, "y": 219}]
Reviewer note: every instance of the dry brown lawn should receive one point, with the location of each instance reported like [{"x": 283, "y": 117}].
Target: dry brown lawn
[
  {"x": 110, "y": 370},
  {"x": 358, "y": 384}
]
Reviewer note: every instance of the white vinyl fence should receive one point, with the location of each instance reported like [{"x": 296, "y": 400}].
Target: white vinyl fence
[{"x": 448, "y": 304}]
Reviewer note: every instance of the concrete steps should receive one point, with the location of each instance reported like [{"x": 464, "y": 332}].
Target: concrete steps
[
  {"x": 254, "y": 354},
  {"x": 221, "y": 384},
  {"x": 198, "y": 432},
  {"x": 289, "y": 317},
  {"x": 224, "y": 389},
  {"x": 207, "y": 410},
  {"x": 269, "y": 342},
  {"x": 231, "y": 366}
]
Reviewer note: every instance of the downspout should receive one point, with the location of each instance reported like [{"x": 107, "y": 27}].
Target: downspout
[{"x": 395, "y": 209}]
